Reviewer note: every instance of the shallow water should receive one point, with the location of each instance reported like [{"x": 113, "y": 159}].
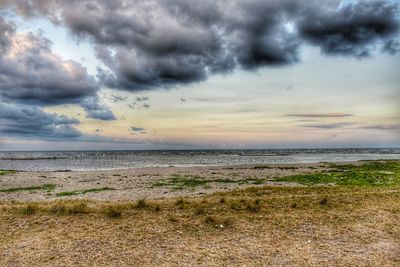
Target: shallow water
[{"x": 106, "y": 160}]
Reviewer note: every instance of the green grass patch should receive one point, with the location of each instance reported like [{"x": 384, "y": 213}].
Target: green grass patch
[
  {"x": 6, "y": 172},
  {"x": 376, "y": 173},
  {"x": 179, "y": 182},
  {"x": 47, "y": 187},
  {"x": 82, "y": 192}
]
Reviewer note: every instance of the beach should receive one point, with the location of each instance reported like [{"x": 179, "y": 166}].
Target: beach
[
  {"x": 281, "y": 215},
  {"x": 148, "y": 183},
  {"x": 199, "y": 133}
]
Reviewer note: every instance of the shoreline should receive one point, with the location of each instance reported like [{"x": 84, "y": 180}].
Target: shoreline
[
  {"x": 126, "y": 161},
  {"x": 200, "y": 165}
]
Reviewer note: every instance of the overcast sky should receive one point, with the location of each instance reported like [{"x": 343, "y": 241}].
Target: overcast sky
[{"x": 179, "y": 74}]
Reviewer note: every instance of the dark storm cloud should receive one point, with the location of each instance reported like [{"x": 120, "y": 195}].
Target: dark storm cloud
[
  {"x": 30, "y": 73},
  {"x": 351, "y": 30},
  {"x": 27, "y": 121},
  {"x": 392, "y": 47},
  {"x": 150, "y": 44},
  {"x": 320, "y": 115}
]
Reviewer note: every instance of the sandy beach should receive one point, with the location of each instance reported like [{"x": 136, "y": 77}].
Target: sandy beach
[{"x": 149, "y": 183}]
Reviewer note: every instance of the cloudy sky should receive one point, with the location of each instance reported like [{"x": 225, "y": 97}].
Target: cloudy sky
[{"x": 180, "y": 74}]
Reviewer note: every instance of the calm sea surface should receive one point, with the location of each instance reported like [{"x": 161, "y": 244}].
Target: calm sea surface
[{"x": 106, "y": 160}]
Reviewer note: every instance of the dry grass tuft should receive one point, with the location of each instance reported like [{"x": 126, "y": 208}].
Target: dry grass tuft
[
  {"x": 141, "y": 204},
  {"x": 199, "y": 210},
  {"x": 78, "y": 208},
  {"x": 58, "y": 208},
  {"x": 323, "y": 201},
  {"x": 113, "y": 213},
  {"x": 29, "y": 209}
]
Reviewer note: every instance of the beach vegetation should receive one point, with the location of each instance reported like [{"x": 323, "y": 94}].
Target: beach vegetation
[
  {"x": 58, "y": 208},
  {"x": 179, "y": 182},
  {"x": 199, "y": 210},
  {"x": 78, "y": 208},
  {"x": 141, "y": 204},
  {"x": 377, "y": 173},
  {"x": 82, "y": 192},
  {"x": 7, "y": 172},
  {"x": 29, "y": 209},
  {"x": 112, "y": 212},
  {"x": 47, "y": 187}
]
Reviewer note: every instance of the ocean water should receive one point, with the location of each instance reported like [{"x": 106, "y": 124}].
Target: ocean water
[{"x": 107, "y": 160}]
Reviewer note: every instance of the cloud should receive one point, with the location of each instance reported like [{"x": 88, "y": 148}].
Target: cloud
[
  {"x": 30, "y": 73},
  {"x": 353, "y": 29},
  {"x": 137, "y": 129},
  {"x": 117, "y": 98},
  {"x": 348, "y": 124},
  {"x": 320, "y": 115},
  {"x": 382, "y": 127},
  {"x": 132, "y": 105},
  {"x": 392, "y": 47},
  {"x": 32, "y": 122},
  {"x": 330, "y": 125},
  {"x": 165, "y": 43},
  {"x": 97, "y": 110},
  {"x": 140, "y": 99}
]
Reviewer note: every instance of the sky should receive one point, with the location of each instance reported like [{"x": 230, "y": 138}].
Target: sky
[{"x": 178, "y": 74}]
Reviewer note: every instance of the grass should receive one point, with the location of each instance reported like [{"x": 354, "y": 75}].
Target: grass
[
  {"x": 235, "y": 202},
  {"x": 113, "y": 213},
  {"x": 47, "y": 187},
  {"x": 77, "y": 208},
  {"x": 179, "y": 182},
  {"x": 141, "y": 204},
  {"x": 29, "y": 209},
  {"x": 368, "y": 173},
  {"x": 377, "y": 173},
  {"x": 7, "y": 172},
  {"x": 82, "y": 192},
  {"x": 288, "y": 217}
]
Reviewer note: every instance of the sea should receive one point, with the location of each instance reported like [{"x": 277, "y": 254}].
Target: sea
[{"x": 109, "y": 160}]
